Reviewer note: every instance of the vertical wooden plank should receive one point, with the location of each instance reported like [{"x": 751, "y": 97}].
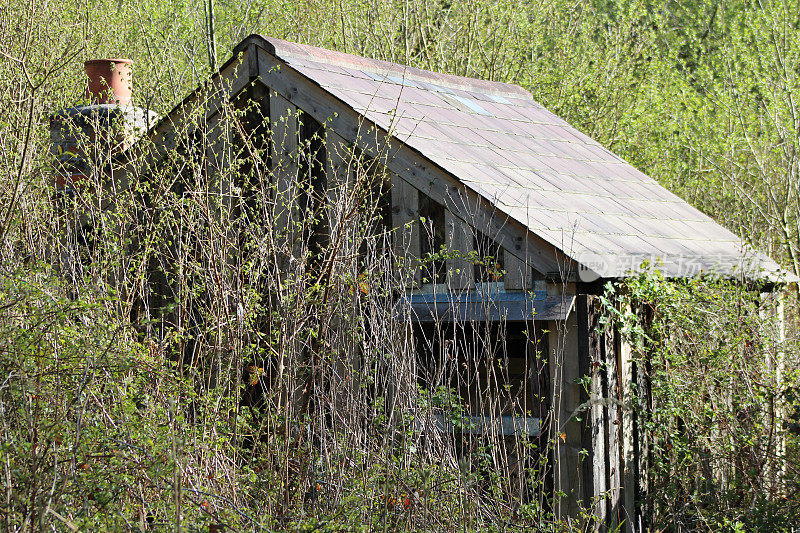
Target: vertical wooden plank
[
  {"x": 519, "y": 275},
  {"x": 628, "y": 451},
  {"x": 216, "y": 137},
  {"x": 556, "y": 371},
  {"x": 586, "y": 463},
  {"x": 284, "y": 213},
  {"x": 566, "y": 432},
  {"x": 597, "y": 415},
  {"x": 339, "y": 181},
  {"x": 613, "y": 422},
  {"x": 337, "y": 198},
  {"x": 405, "y": 240},
  {"x": 459, "y": 241},
  {"x": 772, "y": 329},
  {"x": 645, "y": 397},
  {"x": 283, "y": 117},
  {"x": 593, "y": 466}
]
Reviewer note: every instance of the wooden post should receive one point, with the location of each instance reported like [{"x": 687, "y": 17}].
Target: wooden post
[
  {"x": 626, "y": 368},
  {"x": 341, "y": 374},
  {"x": 772, "y": 308},
  {"x": 614, "y": 425},
  {"x": 566, "y": 432},
  {"x": 339, "y": 180},
  {"x": 643, "y": 371},
  {"x": 283, "y": 118},
  {"x": 283, "y": 125},
  {"x": 594, "y": 437},
  {"x": 582, "y": 318}
]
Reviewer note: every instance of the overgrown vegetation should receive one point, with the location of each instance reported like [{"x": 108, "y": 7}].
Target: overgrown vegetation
[
  {"x": 724, "y": 387},
  {"x": 150, "y": 381}
]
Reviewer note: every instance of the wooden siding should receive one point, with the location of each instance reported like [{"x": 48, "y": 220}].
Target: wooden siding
[{"x": 614, "y": 472}]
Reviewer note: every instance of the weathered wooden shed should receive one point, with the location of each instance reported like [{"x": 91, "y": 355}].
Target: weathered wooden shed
[{"x": 482, "y": 169}]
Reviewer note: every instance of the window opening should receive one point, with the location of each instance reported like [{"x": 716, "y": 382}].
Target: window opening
[
  {"x": 432, "y": 240},
  {"x": 489, "y": 261}
]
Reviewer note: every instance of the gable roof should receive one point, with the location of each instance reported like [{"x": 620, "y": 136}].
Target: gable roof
[{"x": 529, "y": 164}]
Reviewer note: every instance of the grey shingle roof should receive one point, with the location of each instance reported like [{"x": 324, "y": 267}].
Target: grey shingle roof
[{"x": 531, "y": 165}]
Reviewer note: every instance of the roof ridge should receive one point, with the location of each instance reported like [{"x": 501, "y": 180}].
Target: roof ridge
[{"x": 289, "y": 50}]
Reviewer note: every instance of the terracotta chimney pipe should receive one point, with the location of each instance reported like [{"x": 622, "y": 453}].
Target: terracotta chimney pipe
[{"x": 109, "y": 81}]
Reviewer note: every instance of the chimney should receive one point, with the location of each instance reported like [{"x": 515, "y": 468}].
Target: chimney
[
  {"x": 92, "y": 140},
  {"x": 90, "y": 149},
  {"x": 109, "y": 81}
]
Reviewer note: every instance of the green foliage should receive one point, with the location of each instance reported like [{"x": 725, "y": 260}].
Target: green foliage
[
  {"x": 126, "y": 404},
  {"x": 721, "y": 456}
]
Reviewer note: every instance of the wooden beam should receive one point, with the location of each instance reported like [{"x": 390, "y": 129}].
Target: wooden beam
[
  {"x": 338, "y": 180},
  {"x": 780, "y": 373},
  {"x": 587, "y": 461},
  {"x": 339, "y": 177},
  {"x": 772, "y": 324}
]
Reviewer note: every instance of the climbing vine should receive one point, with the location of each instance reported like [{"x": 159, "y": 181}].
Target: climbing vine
[{"x": 723, "y": 379}]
